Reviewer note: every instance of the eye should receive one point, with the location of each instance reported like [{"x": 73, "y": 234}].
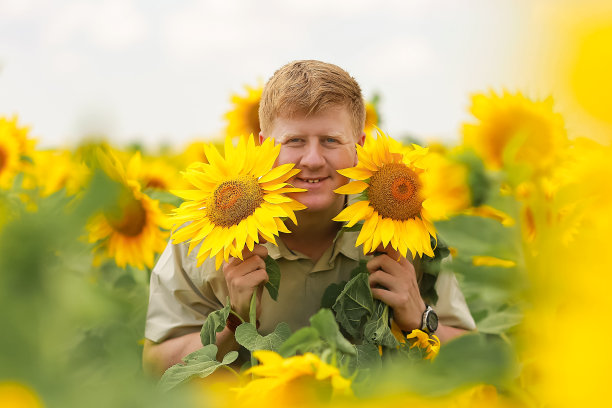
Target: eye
[{"x": 331, "y": 140}]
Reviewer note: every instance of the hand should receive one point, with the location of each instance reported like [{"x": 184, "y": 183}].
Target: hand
[
  {"x": 245, "y": 276},
  {"x": 393, "y": 281}
]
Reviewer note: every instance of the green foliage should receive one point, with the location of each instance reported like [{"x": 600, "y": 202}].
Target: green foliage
[
  {"x": 376, "y": 329},
  {"x": 327, "y": 328},
  {"x": 215, "y": 322},
  {"x": 248, "y": 337},
  {"x": 274, "y": 277},
  {"x": 200, "y": 363},
  {"x": 354, "y": 305},
  {"x": 468, "y": 360}
]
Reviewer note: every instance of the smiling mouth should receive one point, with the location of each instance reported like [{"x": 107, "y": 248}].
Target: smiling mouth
[{"x": 313, "y": 180}]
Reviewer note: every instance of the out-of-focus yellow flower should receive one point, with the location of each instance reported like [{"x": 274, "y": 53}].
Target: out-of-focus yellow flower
[
  {"x": 236, "y": 198},
  {"x": 372, "y": 118},
  {"x": 511, "y": 128},
  {"x": 132, "y": 230},
  {"x": 446, "y": 179},
  {"x": 14, "y": 147},
  {"x": 487, "y": 211},
  {"x": 424, "y": 341},
  {"x": 299, "y": 380},
  {"x": 17, "y": 395},
  {"x": 492, "y": 261},
  {"x": 54, "y": 170},
  {"x": 396, "y": 210},
  {"x": 243, "y": 119}
]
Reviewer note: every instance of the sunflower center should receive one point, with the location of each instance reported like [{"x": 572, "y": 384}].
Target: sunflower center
[
  {"x": 155, "y": 182},
  {"x": 234, "y": 200},
  {"x": 128, "y": 217},
  {"x": 394, "y": 192}
]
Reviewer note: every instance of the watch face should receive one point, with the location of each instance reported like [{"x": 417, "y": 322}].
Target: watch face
[{"x": 432, "y": 321}]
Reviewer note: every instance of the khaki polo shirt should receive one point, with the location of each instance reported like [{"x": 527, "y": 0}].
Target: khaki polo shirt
[{"x": 182, "y": 294}]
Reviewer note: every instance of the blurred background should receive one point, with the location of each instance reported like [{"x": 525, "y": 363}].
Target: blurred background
[
  {"x": 161, "y": 72},
  {"x": 103, "y": 103}
]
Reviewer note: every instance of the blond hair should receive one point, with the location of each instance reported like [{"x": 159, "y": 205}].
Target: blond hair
[{"x": 309, "y": 87}]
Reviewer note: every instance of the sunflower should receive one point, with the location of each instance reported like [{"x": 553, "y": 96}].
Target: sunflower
[
  {"x": 395, "y": 209},
  {"x": 9, "y": 159},
  {"x": 236, "y": 199},
  {"x": 131, "y": 231},
  {"x": 243, "y": 119},
  {"x": 372, "y": 118},
  {"x": 292, "y": 381},
  {"x": 512, "y": 128},
  {"x": 54, "y": 170},
  {"x": 14, "y": 146}
]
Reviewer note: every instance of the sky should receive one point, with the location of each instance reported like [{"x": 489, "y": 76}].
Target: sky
[{"x": 162, "y": 72}]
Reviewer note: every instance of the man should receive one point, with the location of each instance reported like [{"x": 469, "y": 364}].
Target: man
[{"x": 315, "y": 111}]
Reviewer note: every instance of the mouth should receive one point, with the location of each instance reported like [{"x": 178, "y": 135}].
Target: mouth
[{"x": 310, "y": 180}]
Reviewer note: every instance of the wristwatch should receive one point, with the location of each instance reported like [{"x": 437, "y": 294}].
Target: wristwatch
[{"x": 429, "y": 321}]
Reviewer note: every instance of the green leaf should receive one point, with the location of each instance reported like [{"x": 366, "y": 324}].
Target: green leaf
[
  {"x": 361, "y": 268},
  {"x": 354, "y": 305},
  {"x": 500, "y": 322},
  {"x": 248, "y": 337},
  {"x": 331, "y": 294},
  {"x": 377, "y": 328},
  {"x": 303, "y": 340},
  {"x": 366, "y": 357},
  {"x": 325, "y": 324},
  {"x": 274, "y": 277},
  {"x": 355, "y": 227},
  {"x": 200, "y": 363},
  {"x": 214, "y": 323}
]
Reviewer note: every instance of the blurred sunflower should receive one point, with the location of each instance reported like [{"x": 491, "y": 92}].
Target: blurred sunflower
[
  {"x": 17, "y": 395},
  {"x": 9, "y": 159},
  {"x": 14, "y": 147},
  {"x": 372, "y": 118},
  {"x": 131, "y": 231},
  {"x": 513, "y": 129},
  {"x": 303, "y": 380},
  {"x": 54, "y": 170},
  {"x": 449, "y": 178},
  {"x": 395, "y": 209},
  {"x": 243, "y": 119},
  {"x": 236, "y": 199}
]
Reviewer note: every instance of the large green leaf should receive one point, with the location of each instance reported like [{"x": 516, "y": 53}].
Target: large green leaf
[
  {"x": 200, "y": 363},
  {"x": 303, "y": 340},
  {"x": 376, "y": 329},
  {"x": 325, "y": 324},
  {"x": 274, "y": 277},
  {"x": 354, "y": 305},
  {"x": 501, "y": 321},
  {"x": 215, "y": 322},
  {"x": 248, "y": 337}
]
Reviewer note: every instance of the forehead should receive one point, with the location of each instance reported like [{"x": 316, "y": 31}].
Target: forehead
[{"x": 330, "y": 122}]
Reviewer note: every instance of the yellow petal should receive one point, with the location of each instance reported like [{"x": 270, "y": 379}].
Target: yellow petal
[
  {"x": 387, "y": 229},
  {"x": 354, "y": 187},
  {"x": 356, "y": 173},
  {"x": 276, "y": 173}
]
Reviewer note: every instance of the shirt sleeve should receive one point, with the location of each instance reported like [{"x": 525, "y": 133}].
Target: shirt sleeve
[
  {"x": 181, "y": 296},
  {"x": 451, "y": 308}
]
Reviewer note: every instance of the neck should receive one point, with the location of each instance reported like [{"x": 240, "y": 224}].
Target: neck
[{"x": 314, "y": 232}]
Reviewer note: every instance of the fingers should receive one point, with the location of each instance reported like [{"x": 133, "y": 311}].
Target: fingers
[
  {"x": 381, "y": 278},
  {"x": 258, "y": 250},
  {"x": 390, "y": 265}
]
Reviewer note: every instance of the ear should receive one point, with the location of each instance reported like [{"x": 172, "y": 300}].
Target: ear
[
  {"x": 261, "y": 137},
  {"x": 361, "y": 139}
]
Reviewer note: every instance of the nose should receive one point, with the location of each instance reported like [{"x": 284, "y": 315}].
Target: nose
[{"x": 313, "y": 156}]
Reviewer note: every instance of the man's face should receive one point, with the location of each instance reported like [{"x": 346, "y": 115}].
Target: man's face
[{"x": 318, "y": 145}]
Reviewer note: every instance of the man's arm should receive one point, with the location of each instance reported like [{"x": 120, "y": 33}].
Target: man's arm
[
  {"x": 158, "y": 357},
  {"x": 243, "y": 277}
]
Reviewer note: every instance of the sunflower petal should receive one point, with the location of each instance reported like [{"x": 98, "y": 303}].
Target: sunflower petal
[{"x": 354, "y": 187}]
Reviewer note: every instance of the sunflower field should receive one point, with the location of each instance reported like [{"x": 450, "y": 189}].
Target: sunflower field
[{"x": 519, "y": 208}]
